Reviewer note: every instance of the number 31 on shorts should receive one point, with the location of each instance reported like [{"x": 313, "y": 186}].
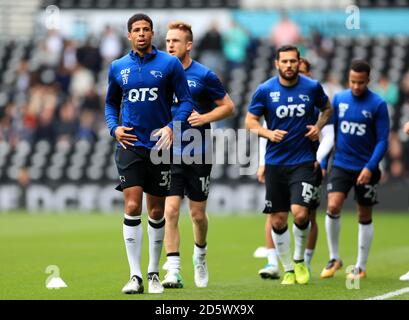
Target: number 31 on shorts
[{"x": 165, "y": 179}]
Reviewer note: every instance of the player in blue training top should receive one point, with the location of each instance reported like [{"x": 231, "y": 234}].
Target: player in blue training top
[
  {"x": 144, "y": 83},
  {"x": 212, "y": 103},
  {"x": 271, "y": 269},
  {"x": 361, "y": 125},
  {"x": 287, "y": 103}
]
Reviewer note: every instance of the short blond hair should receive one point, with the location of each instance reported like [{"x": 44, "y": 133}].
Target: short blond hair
[{"x": 183, "y": 26}]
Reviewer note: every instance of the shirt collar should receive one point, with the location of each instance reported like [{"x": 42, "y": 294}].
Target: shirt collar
[{"x": 147, "y": 56}]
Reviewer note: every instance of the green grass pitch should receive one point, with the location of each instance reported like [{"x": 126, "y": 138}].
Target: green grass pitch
[{"x": 89, "y": 251}]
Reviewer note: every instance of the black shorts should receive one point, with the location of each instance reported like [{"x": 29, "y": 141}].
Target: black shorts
[
  {"x": 342, "y": 180},
  {"x": 316, "y": 198},
  {"x": 136, "y": 169},
  {"x": 192, "y": 180},
  {"x": 287, "y": 185}
]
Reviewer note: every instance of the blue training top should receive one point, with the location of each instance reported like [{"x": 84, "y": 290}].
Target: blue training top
[
  {"x": 205, "y": 87},
  {"x": 145, "y": 87},
  {"x": 362, "y": 129},
  {"x": 290, "y": 109}
]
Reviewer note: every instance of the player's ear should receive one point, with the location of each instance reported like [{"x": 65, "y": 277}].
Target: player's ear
[
  {"x": 276, "y": 63},
  {"x": 189, "y": 46}
]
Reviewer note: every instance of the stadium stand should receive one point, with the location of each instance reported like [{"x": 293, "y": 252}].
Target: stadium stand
[
  {"x": 52, "y": 94},
  {"x": 382, "y": 3}
]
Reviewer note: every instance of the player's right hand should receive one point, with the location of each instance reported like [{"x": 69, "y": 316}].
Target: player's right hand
[
  {"x": 277, "y": 135},
  {"x": 364, "y": 177},
  {"x": 125, "y": 138},
  {"x": 261, "y": 174}
]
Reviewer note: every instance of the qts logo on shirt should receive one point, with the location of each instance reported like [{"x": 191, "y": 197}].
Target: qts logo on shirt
[
  {"x": 292, "y": 110},
  {"x": 125, "y": 75},
  {"x": 143, "y": 94},
  {"x": 353, "y": 128}
]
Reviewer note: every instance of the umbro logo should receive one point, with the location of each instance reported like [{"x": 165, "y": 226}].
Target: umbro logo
[
  {"x": 156, "y": 74},
  {"x": 122, "y": 178},
  {"x": 130, "y": 240},
  {"x": 191, "y": 83}
]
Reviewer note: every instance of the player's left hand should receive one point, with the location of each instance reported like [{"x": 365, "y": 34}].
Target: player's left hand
[
  {"x": 196, "y": 119},
  {"x": 166, "y": 138},
  {"x": 364, "y": 177},
  {"x": 313, "y": 133},
  {"x": 261, "y": 174}
]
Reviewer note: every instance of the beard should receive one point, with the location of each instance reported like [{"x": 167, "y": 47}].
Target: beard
[
  {"x": 143, "y": 47},
  {"x": 288, "y": 78}
]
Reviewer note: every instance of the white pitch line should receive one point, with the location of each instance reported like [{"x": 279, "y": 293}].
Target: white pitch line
[{"x": 390, "y": 294}]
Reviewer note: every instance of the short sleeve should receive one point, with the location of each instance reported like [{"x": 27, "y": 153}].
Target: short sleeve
[{"x": 258, "y": 102}]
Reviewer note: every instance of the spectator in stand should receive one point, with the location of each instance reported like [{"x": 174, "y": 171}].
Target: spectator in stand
[
  {"x": 404, "y": 84},
  {"x": 89, "y": 56},
  {"x": 8, "y": 130},
  {"x": 286, "y": 32},
  {"x": 91, "y": 101},
  {"x": 68, "y": 124},
  {"x": 53, "y": 47},
  {"x": 86, "y": 128},
  {"x": 82, "y": 81},
  {"x": 111, "y": 45},
  {"x": 235, "y": 44},
  {"x": 394, "y": 155},
  {"x": 331, "y": 85},
  {"x": 211, "y": 50},
  {"x": 22, "y": 82},
  {"x": 69, "y": 55},
  {"x": 388, "y": 91},
  {"x": 46, "y": 129}
]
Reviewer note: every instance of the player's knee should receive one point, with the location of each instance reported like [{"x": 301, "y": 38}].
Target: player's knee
[
  {"x": 133, "y": 207},
  {"x": 279, "y": 223},
  {"x": 301, "y": 218},
  {"x": 171, "y": 213},
  {"x": 365, "y": 217},
  {"x": 334, "y": 209},
  {"x": 300, "y": 215},
  {"x": 198, "y": 216},
  {"x": 156, "y": 213}
]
